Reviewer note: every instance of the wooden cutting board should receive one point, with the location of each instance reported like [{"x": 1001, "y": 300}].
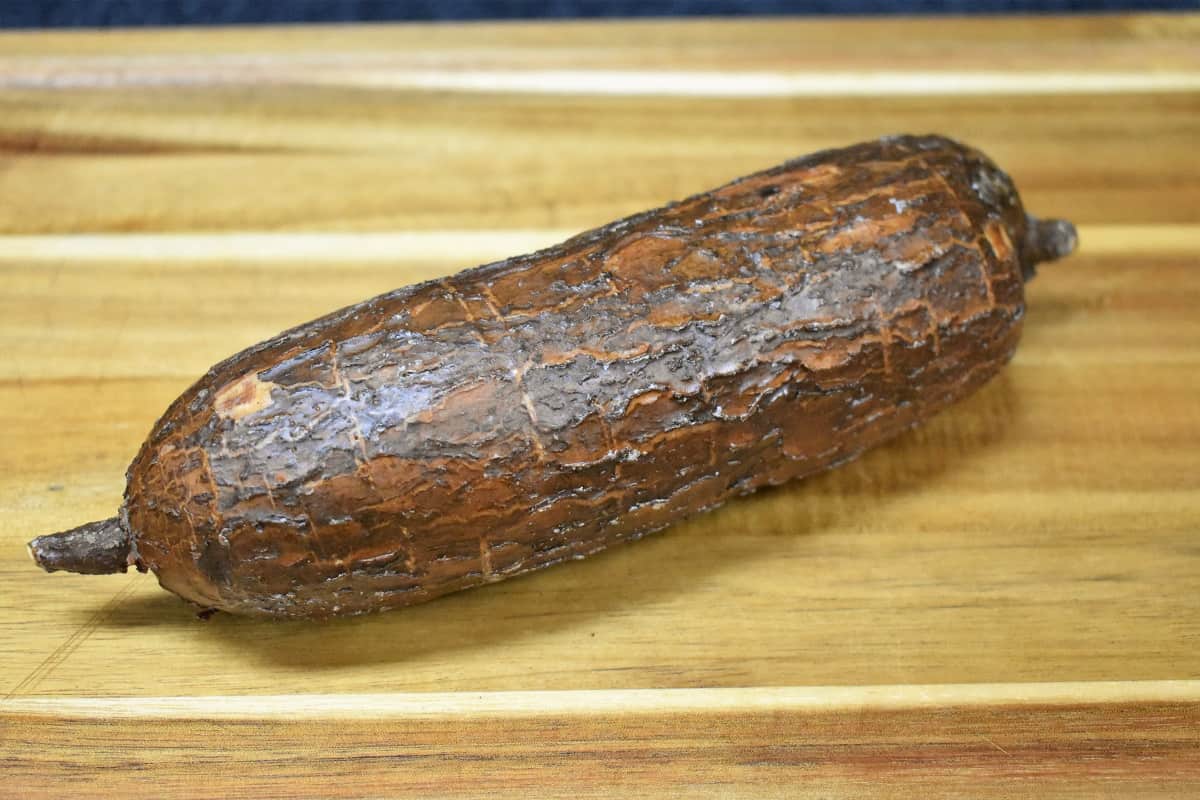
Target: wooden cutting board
[{"x": 1010, "y": 594}]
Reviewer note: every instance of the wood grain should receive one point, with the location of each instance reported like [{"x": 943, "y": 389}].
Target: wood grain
[
  {"x": 1043, "y": 531},
  {"x": 934, "y": 741}
]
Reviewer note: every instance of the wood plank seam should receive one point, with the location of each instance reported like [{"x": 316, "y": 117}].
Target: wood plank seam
[{"x": 387, "y": 246}]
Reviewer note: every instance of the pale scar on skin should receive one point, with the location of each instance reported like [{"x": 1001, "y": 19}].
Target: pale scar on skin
[
  {"x": 998, "y": 238},
  {"x": 243, "y": 397}
]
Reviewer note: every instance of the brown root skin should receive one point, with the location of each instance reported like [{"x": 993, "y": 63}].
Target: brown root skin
[{"x": 97, "y": 548}]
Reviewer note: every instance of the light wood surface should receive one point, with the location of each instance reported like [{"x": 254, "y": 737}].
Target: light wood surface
[{"x": 1008, "y": 595}]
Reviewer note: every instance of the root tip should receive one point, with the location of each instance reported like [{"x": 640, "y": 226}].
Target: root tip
[
  {"x": 98, "y": 548},
  {"x": 1051, "y": 239}
]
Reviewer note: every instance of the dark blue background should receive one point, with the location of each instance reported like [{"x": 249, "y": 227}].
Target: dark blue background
[{"x": 100, "y": 13}]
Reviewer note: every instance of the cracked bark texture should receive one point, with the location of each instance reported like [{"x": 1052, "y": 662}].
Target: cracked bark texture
[{"x": 538, "y": 409}]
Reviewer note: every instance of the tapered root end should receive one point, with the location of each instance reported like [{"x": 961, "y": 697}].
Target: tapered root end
[
  {"x": 1049, "y": 239},
  {"x": 98, "y": 548}
]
